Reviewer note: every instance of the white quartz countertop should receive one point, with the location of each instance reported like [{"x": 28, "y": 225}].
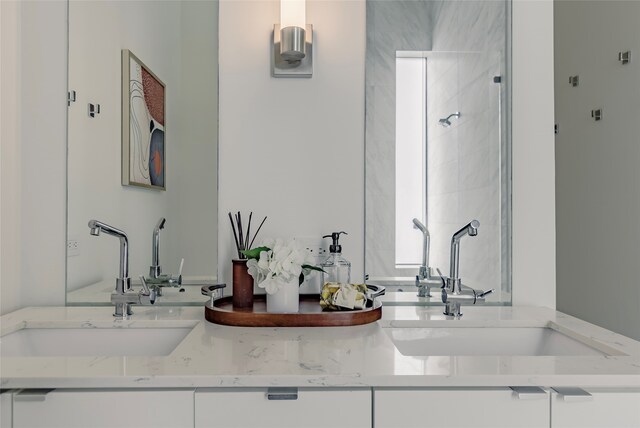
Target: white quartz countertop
[{"x": 360, "y": 356}]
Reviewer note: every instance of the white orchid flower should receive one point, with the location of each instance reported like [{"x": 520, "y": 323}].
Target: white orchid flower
[{"x": 280, "y": 265}]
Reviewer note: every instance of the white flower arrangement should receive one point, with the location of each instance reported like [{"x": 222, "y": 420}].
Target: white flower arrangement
[{"x": 276, "y": 263}]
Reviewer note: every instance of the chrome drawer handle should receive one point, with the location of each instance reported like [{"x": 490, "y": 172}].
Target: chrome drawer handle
[
  {"x": 282, "y": 394},
  {"x": 32, "y": 395},
  {"x": 529, "y": 392},
  {"x": 573, "y": 394}
]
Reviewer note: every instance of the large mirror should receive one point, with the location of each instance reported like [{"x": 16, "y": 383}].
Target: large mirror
[
  {"x": 437, "y": 142},
  {"x": 175, "y": 43}
]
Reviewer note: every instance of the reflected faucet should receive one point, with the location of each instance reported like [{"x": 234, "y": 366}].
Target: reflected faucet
[
  {"x": 123, "y": 296},
  {"x": 453, "y": 295},
  {"x": 156, "y": 279},
  {"x": 425, "y": 274},
  {"x": 155, "y": 270}
]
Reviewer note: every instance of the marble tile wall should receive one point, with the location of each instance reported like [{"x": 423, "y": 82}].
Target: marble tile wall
[
  {"x": 391, "y": 26},
  {"x": 466, "y": 162}
]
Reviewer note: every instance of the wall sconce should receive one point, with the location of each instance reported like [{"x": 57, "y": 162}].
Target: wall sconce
[{"x": 292, "y": 42}]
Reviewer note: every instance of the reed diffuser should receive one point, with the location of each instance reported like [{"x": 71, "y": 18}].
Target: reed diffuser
[
  {"x": 243, "y": 242},
  {"x": 242, "y": 294}
]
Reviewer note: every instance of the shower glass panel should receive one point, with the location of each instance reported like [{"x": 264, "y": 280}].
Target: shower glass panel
[{"x": 450, "y": 167}]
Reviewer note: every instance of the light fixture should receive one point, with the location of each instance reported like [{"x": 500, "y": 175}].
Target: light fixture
[{"x": 292, "y": 42}]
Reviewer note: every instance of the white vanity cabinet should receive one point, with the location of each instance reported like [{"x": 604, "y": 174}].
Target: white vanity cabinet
[
  {"x": 283, "y": 408},
  {"x": 602, "y": 408},
  {"x": 5, "y": 409},
  {"x": 452, "y": 407},
  {"x": 108, "y": 408}
]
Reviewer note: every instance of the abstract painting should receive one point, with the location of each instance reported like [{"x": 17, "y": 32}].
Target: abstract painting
[{"x": 143, "y": 125}]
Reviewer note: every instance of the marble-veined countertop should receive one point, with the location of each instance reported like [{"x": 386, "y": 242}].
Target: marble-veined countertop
[{"x": 360, "y": 356}]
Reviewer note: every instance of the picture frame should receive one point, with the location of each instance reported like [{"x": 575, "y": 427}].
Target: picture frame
[{"x": 143, "y": 125}]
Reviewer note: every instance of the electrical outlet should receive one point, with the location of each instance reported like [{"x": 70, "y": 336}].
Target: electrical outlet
[
  {"x": 73, "y": 247},
  {"x": 313, "y": 283},
  {"x": 315, "y": 246}
]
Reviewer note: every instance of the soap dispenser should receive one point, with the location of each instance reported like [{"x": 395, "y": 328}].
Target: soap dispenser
[{"x": 336, "y": 268}]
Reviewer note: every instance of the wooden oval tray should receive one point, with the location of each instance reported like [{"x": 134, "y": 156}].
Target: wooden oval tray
[{"x": 310, "y": 314}]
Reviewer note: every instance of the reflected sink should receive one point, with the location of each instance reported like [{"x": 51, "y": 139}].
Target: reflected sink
[
  {"x": 79, "y": 342},
  {"x": 476, "y": 341}
]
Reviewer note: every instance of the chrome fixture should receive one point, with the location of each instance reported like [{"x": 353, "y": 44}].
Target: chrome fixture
[
  {"x": 94, "y": 109},
  {"x": 624, "y": 57},
  {"x": 156, "y": 279},
  {"x": 155, "y": 270},
  {"x": 292, "y": 42},
  {"x": 453, "y": 295},
  {"x": 123, "y": 296},
  {"x": 446, "y": 122},
  {"x": 425, "y": 277},
  {"x": 574, "y": 80},
  {"x": 596, "y": 114}
]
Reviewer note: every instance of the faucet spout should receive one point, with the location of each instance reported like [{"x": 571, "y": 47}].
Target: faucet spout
[
  {"x": 123, "y": 282},
  {"x": 155, "y": 270},
  {"x": 426, "y": 241},
  {"x": 453, "y": 295},
  {"x": 470, "y": 229}
]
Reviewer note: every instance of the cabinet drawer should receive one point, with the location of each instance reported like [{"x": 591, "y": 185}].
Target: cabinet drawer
[
  {"x": 105, "y": 408},
  {"x": 605, "y": 408},
  {"x": 452, "y": 407},
  {"x": 6, "y": 405},
  {"x": 297, "y": 408}
]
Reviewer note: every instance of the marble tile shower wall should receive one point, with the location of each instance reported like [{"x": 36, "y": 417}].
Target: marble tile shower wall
[
  {"x": 391, "y": 26},
  {"x": 465, "y": 162}
]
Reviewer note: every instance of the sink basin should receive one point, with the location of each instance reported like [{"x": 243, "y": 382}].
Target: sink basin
[
  {"x": 475, "y": 341},
  {"x": 78, "y": 342}
]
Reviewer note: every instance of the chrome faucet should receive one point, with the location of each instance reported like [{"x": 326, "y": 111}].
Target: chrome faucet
[
  {"x": 453, "y": 295},
  {"x": 425, "y": 277},
  {"x": 155, "y": 270},
  {"x": 123, "y": 296},
  {"x": 156, "y": 279}
]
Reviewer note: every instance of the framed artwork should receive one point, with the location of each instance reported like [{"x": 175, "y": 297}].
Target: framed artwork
[{"x": 143, "y": 125}]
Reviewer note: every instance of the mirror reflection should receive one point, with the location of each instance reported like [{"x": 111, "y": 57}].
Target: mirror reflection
[
  {"x": 437, "y": 144},
  {"x": 172, "y": 130}
]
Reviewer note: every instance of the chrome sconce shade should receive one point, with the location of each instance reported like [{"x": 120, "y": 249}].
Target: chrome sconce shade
[
  {"x": 292, "y": 51},
  {"x": 292, "y": 42}
]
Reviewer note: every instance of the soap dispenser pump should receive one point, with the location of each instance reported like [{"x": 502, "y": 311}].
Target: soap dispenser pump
[{"x": 336, "y": 268}]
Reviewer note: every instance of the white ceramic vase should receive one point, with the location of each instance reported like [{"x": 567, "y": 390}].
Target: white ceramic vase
[{"x": 286, "y": 300}]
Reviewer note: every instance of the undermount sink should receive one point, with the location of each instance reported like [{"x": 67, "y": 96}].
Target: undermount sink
[
  {"x": 79, "y": 342},
  {"x": 476, "y": 341}
]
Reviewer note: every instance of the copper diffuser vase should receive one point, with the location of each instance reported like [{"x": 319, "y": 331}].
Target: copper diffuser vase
[{"x": 242, "y": 285}]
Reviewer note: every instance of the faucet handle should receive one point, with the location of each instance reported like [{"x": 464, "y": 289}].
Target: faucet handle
[
  {"x": 178, "y": 280},
  {"x": 146, "y": 292},
  {"x": 484, "y": 293},
  {"x": 442, "y": 278},
  {"x": 479, "y": 295},
  {"x": 181, "y": 266}
]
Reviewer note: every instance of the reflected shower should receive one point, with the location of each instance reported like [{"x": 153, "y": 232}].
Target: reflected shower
[{"x": 446, "y": 122}]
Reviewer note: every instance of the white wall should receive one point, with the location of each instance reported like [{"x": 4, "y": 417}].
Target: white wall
[
  {"x": 598, "y": 195},
  {"x": 94, "y": 168},
  {"x": 185, "y": 59},
  {"x": 534, "y": 261},
  {"x": 249, "y": 96},
  {"x": 33, "y": 173},
  {"x": 293, "y": 149},
  {"x": 9, "y": 156},
  {"x": 193, "y": 209}
]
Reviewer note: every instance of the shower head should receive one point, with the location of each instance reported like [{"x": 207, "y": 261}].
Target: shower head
[
  {"x": 418, "y": 225},
  {"x": 446, "y": 122}
]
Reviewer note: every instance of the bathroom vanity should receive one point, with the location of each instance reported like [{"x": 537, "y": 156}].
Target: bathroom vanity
[{"x": 168, "y": 367}]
